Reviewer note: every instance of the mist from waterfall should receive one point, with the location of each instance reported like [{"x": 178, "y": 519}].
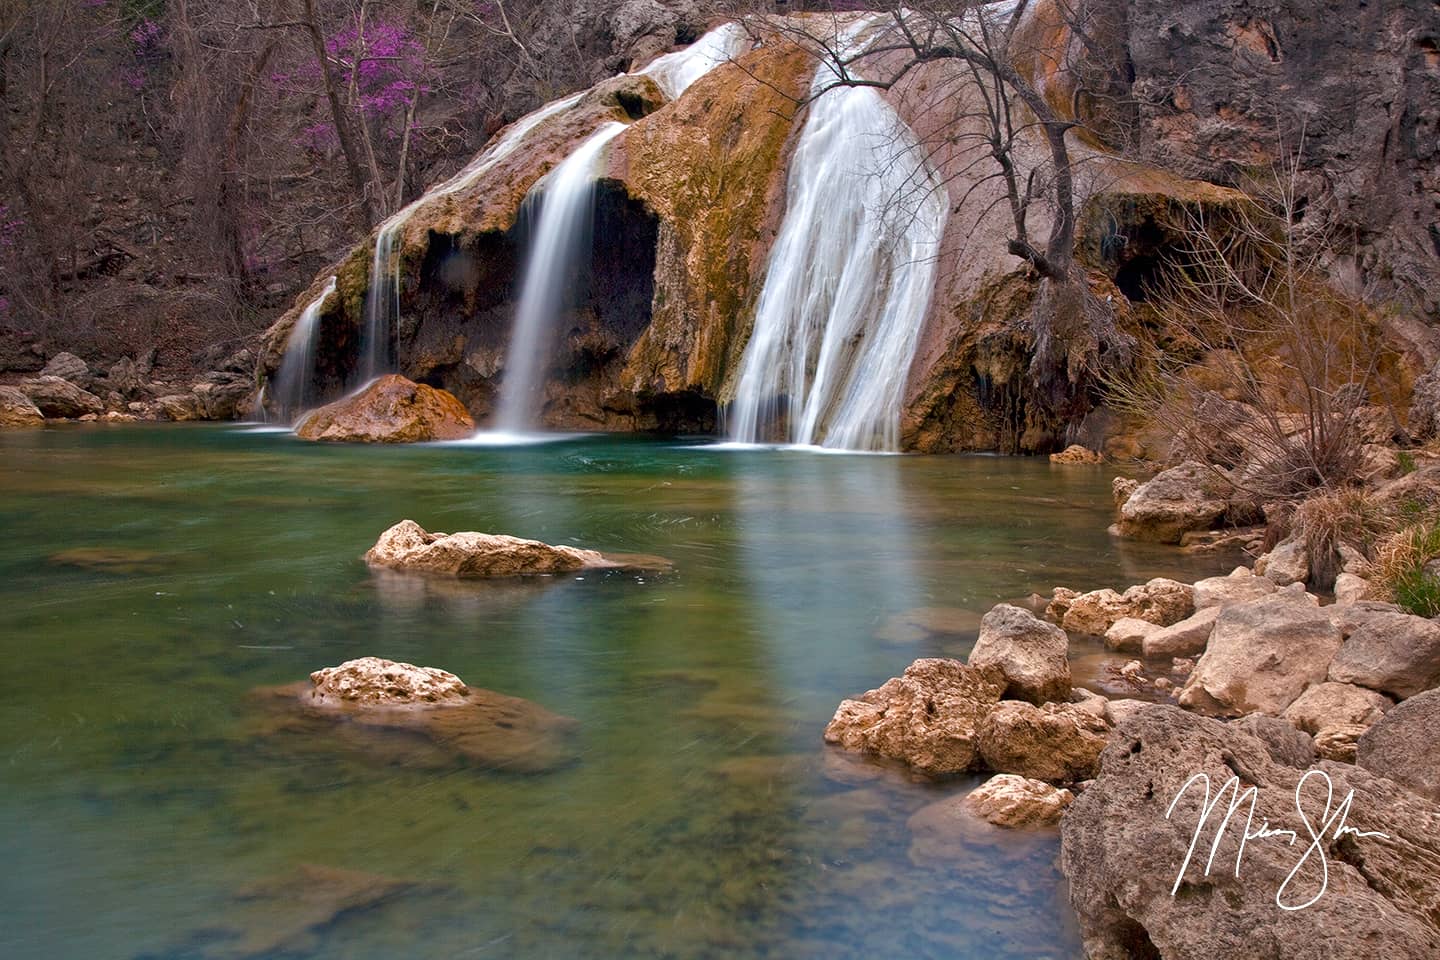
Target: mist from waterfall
[
  {"x": 849, "y": 280},
  {"x": 566, "y": 197},
  {"x": 295, "y": 379},
  {"x": 382, "y": 298}
]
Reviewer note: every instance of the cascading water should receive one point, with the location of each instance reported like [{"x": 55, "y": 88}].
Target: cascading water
[
  {"x": 849, "y": 280},
  {"x": 675, "y": 72},
  {"x": 562, "y": 235},
  {"x": 382, "y": 299},
  {"x": 294, "y": 379}
]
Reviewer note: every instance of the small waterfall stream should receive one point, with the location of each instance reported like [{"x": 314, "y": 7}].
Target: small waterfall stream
[
  {"x": 562, "y": 236},
  {"x": 675, "y": 72},
  {"x": 849, "y": 280},
  {"x": 294, "y": 381}
]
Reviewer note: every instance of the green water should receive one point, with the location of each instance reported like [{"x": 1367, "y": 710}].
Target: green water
[{"x": 705, "y": 817}]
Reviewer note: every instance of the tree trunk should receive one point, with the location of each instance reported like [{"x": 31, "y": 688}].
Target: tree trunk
[{"x": 340, "y": 117}]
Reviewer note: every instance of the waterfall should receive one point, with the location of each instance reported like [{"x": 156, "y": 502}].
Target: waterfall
[
  {"x": 849, "y": 279},
  {"x": 561, "y": 238},
  {"x": 297, "y": 370},
  {"x": 382, "y": 299},
  {"x": 675, "y": 72}
]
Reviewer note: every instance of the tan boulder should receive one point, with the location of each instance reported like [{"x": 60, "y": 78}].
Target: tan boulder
[
  {"x": 1160, "y": 601},
  {"x": 1396, "y": 653},
  {"x": 1015, "y": 802},
  {"x": 928, "y": 717},
  {"x": 1339, "y": 742},
  {"x": 1128, "y": 634},
  {"x": 1075, "y": 453},
  {"x": 408, "y": 546},
  {"x": 389, "y": 410},
  {"x": 55, "y": 397},
  {"x": 1031, "y": 653},
  {"x": 1239, "y": 586},
  {"x": 1350, "y": 589},
  {"x": 1058, "y": 742},
  {"x": 1331, "y": 704},
  {"x": 17, "y": 410},
  {"x": 1184, "y": 639},
  {"x": 1187, "y": 497}
]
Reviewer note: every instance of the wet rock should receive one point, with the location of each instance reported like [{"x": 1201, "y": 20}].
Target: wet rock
[
  {"x": 422, "y": 705},
  {"x": 1188, "y": 497},
  {"x": 1395, "y": 653},
  {"x": 1160, "y": 601},
  {"x": 1330, "y": 704},
  {"x": 1007, "y": 800},
  {"x": 1127, "y": 635},
  {"x": 924, "y": 623},
  {"x": 17, "y": 410},
  {"x": 111, "y": 559},
  {"x": 408, "y": 546},
  {"x": 1030, "y": 653},
  {"x": 1058, "y": 742},
  {"x": 1122, "y": 854},
  {"x": 1187, "y": 638},
  {"x": 1286, "y": 564},
  {"x": 1403, "y": 745},
  {"x": 60, "y": 398},
  {"x": 67, "y": 366},
  {"x": 1261, "y": 656},
  {"x": 1075, "y": 453},
  {"x": 928, "y": 717},
  {"x": 1350, "y": 588},
  {"x": 1240, "y": 586},
  {"x": 389, "y": 410}
]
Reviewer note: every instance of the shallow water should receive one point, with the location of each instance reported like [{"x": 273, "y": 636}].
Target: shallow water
[{"x": 705, "y": 818}]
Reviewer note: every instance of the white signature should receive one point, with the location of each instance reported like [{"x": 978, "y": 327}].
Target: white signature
[{"x": 1331, "y": 825}]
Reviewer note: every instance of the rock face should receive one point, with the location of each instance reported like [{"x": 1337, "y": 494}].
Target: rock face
[
  {"x": 390, "y": 410},
  {"x": 1017, "y": 802},
  {"x": 1029, "y": 652},
  {"x": 60, "y": 398},
  {"x": 1177, "y": 501},
  {"x": 1394, "y": 653},
  {"x": 1184, "y": 639},
  {"x": 1122, "y": 855},
  {"x": 1425, "y": 406},
  {"x": 17, "y": 410},
  {"x": 1331, "y": 704},
  {"x": 1058, "y": 742},
  {"x": 408, "y": 546},
  {"x": 1261, "y": 656},
  {"x": 929, "y": 717},
  {"x": 1160, "y": 601},
  {"x": 1403, "y": 745},
  {"x": 455, "y": 721}
]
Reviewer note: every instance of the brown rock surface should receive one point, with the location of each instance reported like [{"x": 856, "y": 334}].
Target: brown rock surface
[
  {"x": 1031, "y": 653},
  {"x": 928, "y": 717},
  {"x": 17, "y": 410},
  {"x": 408, "y": 546},
  {"x": 1404, "y": 745},
  {"x": 55, "y": 397},
  {"x": 1160, "y": 601},
  {"x": 389, "y": 410},
  {"x": 1058, "y": 742},
  {"x": 1007, "y": 800}
]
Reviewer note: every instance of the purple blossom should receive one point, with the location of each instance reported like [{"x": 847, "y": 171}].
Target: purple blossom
[{"x": 10, "y": 228}]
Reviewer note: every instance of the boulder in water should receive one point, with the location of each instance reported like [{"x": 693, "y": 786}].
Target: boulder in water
[
  {"x": 1059, "y": 742},
  {"x": 60, "y": 398},
  {"x": 1028, "y": 651},
  {"x": 1188, "y": 497},
  {"x": 428, "y": 708},
  {"x": 1007, "y": 800},
  {"x": 389, "y": 410},
  {"x": 410, "y": 547},
  {"x": 17, "y": 410}
]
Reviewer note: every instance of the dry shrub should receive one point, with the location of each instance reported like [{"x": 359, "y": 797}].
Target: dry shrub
[
  {"x": 1347, "y": 516},
  {"x": 1401, "y": 562}
]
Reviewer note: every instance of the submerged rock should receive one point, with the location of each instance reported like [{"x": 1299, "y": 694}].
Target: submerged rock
[
  {"x": 408, "y": 546},
  {"x": 1122, "y": 854},
  {"x": 389, "y": 410},
  {"x": 1028, "y": 651},
  {"x": 929, "y": 717},
  {"x": 17, "y": 410},
  {"x": 1261, "y": 656},
  {"x": 458, "y": 723},
  {"x": 1017, "y": 802}
]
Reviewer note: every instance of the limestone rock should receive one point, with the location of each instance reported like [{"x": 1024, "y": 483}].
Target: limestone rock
[
  {"x": 929, "y": 717},
  {"x": 1188, "y": 497},
  {"x": 1007, "y": 800},
  {"x": 1058, "y": 742},
  {"x": 1283, "y": 742},
  {"x": 179, "y": 407},
  {"x": 1122, "y": 854},
  {"x": 1121, "y": 489},
  {"x": 67, "y": 366},
  {"x": 17, "y": 410},
  {"x": 219, "y": 395},
  {"x": 1261, "y": 656},
  {"x": 1184, "y": 639},
  {"x": 1331, "y": 704},
  {"x": 1339, "y": 742},
  {"x": 1404, "y": 747},
  {"x": 408, "y": 546},
  {"x": 436, "y": 715},
  {"x": 1350, "y": 617},
  {"x": 1239, "y": 586},
  {"x": 1284, "y": 565},
  {"x": 1119, "y": 710},
  {"x": 1059, "y": 605},
  {"x": 1030, "y": 653},
  {"x": 1395, "y": 653},
  {"x": 1160, "y": 601},
  {"x": 60, "y": 398},
  {"x": 1128, "y": 634},
  {"x": 1350, "y": 589},
  {"x": 1075, "y": 453},
  {"x": 389, "y": 410}
]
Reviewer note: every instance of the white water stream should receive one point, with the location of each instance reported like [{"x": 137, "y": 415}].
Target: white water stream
[{"x": 293, "y": 381}]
